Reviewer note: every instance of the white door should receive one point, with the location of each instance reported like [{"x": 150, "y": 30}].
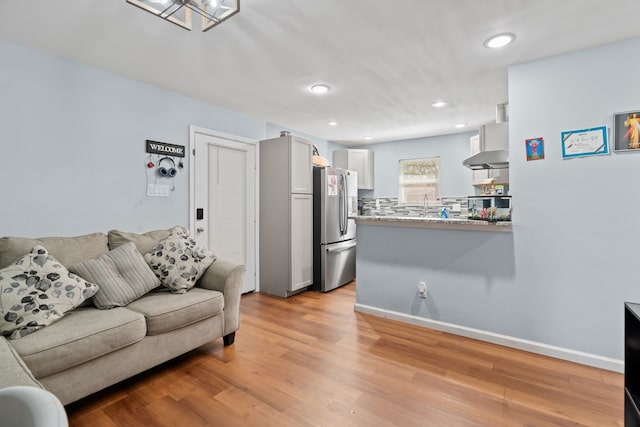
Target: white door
[{"x": 223, "y": 190}]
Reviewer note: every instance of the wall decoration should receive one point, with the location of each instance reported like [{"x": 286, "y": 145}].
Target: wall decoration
[
  {"x": 535, "y": 148},
  {"x": 626, "y": 131},
  {"x": 584, "y": 142},
  {"x": 165, "y": 148}
]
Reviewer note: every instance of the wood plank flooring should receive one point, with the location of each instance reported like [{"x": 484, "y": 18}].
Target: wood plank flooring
[{"x": 310, "y": 360}]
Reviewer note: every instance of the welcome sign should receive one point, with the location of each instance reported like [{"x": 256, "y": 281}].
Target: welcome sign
[{"x": 164, "y": 148}]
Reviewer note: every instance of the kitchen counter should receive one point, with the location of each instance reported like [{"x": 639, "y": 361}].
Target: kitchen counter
[{"x": 432, "y": 222}]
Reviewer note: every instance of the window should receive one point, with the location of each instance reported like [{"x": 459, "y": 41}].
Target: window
[{"x": 419, "y": 177}]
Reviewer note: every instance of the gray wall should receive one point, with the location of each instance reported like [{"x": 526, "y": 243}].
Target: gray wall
[
  {"x": 563, "y": 275},
  {"x": 73, "y": 146},
  {"x": 576, "y": 236},
  {"x": 455, "y": 179}
]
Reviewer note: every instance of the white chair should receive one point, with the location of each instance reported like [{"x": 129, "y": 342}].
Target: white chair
[{"x": 30, "y": 407}]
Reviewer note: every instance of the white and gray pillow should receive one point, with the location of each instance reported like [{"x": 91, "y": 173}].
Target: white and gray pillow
[
  {"x": 122, "y": 274},
  {"x": 35, "y": 291},
  {"x": 178, "y": 261}
]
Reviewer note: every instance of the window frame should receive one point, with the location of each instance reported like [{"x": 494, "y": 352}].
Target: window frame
[{"x": 402, "y": 193}]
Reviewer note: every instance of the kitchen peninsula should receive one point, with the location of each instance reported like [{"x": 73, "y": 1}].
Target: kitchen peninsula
[{"x": 468, "y": 267}]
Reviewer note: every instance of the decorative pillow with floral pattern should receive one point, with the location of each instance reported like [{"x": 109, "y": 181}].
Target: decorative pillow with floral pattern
[
  {"x": 178, "y": 261},
  {"x": 35, "y": 291}
]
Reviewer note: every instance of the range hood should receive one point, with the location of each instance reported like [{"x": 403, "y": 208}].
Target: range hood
[{"x": 496, "y": 159}]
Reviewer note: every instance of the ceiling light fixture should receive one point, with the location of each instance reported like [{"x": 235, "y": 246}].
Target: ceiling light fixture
[
  {"x": 179, "y": 12},
  {"x": 438, "y": 104},
  {"x": 368, "y": 138},
  {"x": 320, "y": 89},
  {"x": 460, "y": 125},
  {"x": 333, "y": 123},
  {"x": 499, "y": 40}
]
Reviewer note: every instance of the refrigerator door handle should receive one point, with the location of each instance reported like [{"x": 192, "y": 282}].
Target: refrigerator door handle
[{"x": 345, "y": 211}]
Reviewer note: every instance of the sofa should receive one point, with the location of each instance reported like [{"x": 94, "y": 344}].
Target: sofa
[{"x": 88, "y": 348}]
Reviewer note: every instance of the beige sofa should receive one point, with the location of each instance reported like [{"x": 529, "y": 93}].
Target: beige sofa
[{"x": 90, "y": 349}]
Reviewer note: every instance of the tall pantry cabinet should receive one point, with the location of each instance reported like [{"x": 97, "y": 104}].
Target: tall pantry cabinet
[{"x": 286, "y": 215}]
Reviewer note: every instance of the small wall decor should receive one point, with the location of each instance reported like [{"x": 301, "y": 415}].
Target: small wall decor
[
  {"x": 535, "y": 148},
  {"x": 584, "y": 142},
  {"x": 626, "y": 131},
  {"x": 165, "y": 148}
]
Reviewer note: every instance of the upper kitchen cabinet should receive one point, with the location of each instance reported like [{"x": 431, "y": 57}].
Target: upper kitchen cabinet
[
  {"x": 301, "y": 158},
  {"x": 298, "y": 155},
  {"x": 360, "y": 161}
]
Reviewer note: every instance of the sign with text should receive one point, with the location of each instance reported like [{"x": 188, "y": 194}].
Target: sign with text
[{"x": 164, "y": 148}]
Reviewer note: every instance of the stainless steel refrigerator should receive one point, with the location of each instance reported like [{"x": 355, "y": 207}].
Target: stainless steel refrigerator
[{"x": 335, "y": 199}]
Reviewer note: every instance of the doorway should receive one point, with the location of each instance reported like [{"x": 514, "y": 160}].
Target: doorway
[{"x": 222, "y": 202}]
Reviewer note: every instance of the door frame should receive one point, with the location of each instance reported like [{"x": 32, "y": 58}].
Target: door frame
[{"x": 193, "y": 131}]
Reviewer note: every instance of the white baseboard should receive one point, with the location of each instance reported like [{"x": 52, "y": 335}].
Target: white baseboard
[{"x": 518, "y": 343}]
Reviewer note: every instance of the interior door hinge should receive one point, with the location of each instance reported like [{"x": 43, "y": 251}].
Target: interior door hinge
[{"x": 194, "y": 151}]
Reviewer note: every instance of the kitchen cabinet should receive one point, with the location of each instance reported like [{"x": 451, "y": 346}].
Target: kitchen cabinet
[
  {"x": 301, "y": 241},
  {"x": 286, "y": 215},
  {"x": 359, "y": 161},
  {"x": 300, "y": 151}
]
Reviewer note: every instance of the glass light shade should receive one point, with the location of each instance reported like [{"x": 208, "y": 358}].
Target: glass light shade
[{"x": 179, "y": 12}]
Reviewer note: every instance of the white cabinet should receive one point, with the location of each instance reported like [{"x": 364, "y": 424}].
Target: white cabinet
[
  {"x": 286, "y": 215},
  {"x": 300, "y": 151},
  {"x": 360, "y": 161},
  {"x": 301, "y": 241}
]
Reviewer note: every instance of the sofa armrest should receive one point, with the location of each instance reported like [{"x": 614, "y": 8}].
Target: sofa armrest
[
  {"x": 226, "y": 277},
  {"x": 13, "y": 371}
]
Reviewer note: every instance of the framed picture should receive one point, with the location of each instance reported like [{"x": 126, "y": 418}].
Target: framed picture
[
  {"x": 584, "y": 142},
  {"x": 626, "y": 131},
  {"x": 535, "y": 148}
]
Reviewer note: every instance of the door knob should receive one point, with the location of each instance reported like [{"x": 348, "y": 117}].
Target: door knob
[{"x": 199, "y": 229}]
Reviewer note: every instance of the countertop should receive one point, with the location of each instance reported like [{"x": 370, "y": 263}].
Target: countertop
[{"x": 430, "y": 222}]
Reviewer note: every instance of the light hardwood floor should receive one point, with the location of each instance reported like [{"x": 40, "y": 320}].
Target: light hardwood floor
[{"x": 310, "y": 360}]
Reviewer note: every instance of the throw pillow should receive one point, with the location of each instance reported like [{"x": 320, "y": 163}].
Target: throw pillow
[
  {"x": 179, "y": 261},
  {"x": 144, "y": 241},
  {"x": 35, "y": 291},
  {"x": 122, "y": 274}
]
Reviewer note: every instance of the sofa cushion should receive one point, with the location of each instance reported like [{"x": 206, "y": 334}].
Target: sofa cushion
[
  {"x": 82, "y": 335},
  {"x": 144, "y": 242},
  {"x": 179, "y": 261},
  {"x": 67, "y": 250},
  {"x": 35, "y": 291},
  {"x": 166, "y": 311},
  {"x": 122, "y": 274}
]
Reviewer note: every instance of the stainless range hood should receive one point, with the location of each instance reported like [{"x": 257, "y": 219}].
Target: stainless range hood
[{"x": 497, "y": 159}]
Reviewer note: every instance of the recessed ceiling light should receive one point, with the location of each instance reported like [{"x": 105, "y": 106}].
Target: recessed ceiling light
[
  {"x": 460, "y": 125},
  {"x": 320, "y": 89},
  {"x": 368, "y": 138},
  {"x": 333, "y": 123},
  {"x": 500, "y": 40},
  {"x": 439, "y": 104}
]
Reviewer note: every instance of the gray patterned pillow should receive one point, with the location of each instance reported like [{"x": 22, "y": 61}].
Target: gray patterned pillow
[
  {"x": 122, "y": 274},
  {"x": 35, "y": 291},
  {"x": 179, "y": 261}
]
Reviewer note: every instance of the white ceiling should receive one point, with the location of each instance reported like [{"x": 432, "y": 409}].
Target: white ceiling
[{"x": 386, "y": 60}]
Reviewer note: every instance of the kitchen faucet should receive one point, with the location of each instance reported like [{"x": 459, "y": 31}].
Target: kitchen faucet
[{"x": 425, "y": 205}]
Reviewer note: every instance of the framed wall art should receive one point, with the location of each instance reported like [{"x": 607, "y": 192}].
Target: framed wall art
[
  {"x": 626, "y": 131},
  {"x": 534, "y": 148},
  {"x": 584, "y": 142}
]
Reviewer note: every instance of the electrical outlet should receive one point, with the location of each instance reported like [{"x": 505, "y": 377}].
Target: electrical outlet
[{"x": 422, "y": 289}]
